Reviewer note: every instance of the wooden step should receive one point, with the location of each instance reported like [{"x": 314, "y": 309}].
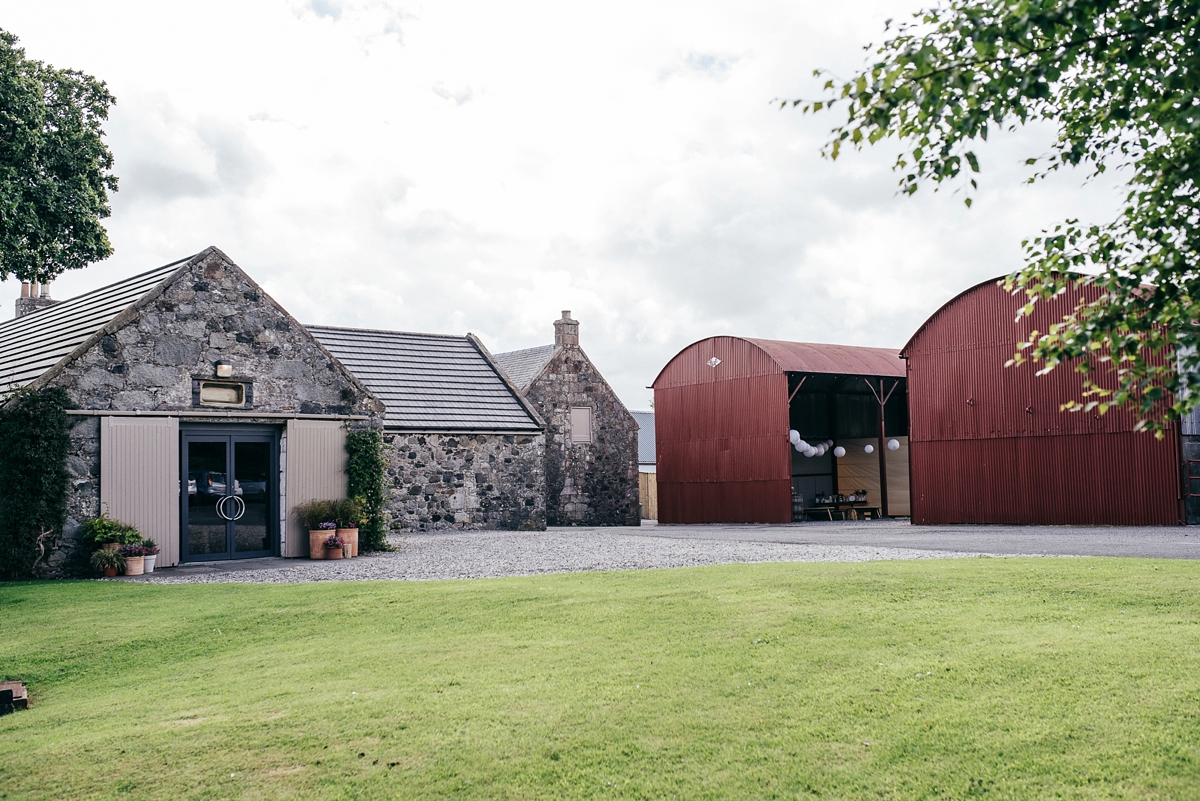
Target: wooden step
[{"x": 20, "y": 696}]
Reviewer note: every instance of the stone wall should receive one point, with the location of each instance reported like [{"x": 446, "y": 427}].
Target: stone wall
[
  {"x": 213, "y": 311},
  {"x": 65, "y": 555},
  {"x": 596, "y": 483},
  {"x": 469, "y": 481}
]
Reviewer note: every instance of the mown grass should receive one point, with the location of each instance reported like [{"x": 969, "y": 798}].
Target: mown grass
[{"x": 1016, "y": 678}]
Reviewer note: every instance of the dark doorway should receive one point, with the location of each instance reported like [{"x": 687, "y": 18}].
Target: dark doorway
[{"x": 230, "y": 487}]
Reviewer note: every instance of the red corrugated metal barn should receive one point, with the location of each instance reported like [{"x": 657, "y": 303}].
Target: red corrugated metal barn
[
  {"x": 988, "y": 444},
  {"x": 724, "y": 408}
]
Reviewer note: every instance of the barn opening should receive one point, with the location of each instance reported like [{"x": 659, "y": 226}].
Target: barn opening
[
  {"x": 726, "y": 407},
  {"x": 856, "y": 428}
]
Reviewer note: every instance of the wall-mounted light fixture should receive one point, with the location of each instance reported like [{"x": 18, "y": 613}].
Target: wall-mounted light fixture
[{"x": 224, "y": 369}]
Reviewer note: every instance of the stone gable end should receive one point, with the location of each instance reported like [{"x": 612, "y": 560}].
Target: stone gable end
[
  {"x": 210, "y": 310},
  {"x": 594, "y": 483}
]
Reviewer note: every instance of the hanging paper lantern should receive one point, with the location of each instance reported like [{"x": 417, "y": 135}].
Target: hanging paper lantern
[
  {"x": 811, "y": 452},
  {"x": 839, "y": 451},
  {"x": 893, "y": 445},
  {"x": 869, "y": 448},
  {"x": 794, "y": 436}
]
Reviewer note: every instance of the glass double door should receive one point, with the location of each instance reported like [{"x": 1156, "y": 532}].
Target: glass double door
[{"x": 230, "y": 488}]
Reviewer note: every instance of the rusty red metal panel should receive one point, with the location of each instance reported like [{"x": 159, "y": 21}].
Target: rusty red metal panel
[
  {"x": 721, "y": 424},
  {"x": 959, "y": 388},
  {"x": 1124, "y": 479},
  {"x": 737, "y": 358},
  {"x": 725, "y": 502},
  {"x": 988, "y": 444},
  {"x": 813, "y": 357}
]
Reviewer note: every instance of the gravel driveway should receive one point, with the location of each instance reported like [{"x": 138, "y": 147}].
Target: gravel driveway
[{"x": 484, "y": 554}]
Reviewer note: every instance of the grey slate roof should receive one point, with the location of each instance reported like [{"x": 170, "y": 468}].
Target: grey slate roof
[
  {"x": 523, "y": 366},
  {"x": 646, "y": 452},
  {"x": 32, "y": 344},
  {"x": 429, "y": 382}
]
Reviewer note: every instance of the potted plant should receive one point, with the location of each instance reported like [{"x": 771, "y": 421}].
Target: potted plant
[
  {"x": 348, "y": 514},
  {"x": 107, "y": 561},
  {"x": 149, "y": 554},
  {"x": 317, "y": 516},
  {"x": 134, "y": 559},
  {"x": 334, "y": 546},
  {"x": 103, "y": 532}
]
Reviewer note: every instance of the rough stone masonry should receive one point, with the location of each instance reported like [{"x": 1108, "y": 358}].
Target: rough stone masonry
[
  {"x": 468, "y": 481},
  {"x": 591, "y": 477}
]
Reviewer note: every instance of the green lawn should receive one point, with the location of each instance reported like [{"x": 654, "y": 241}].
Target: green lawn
[{"x": 996, "y": 678}]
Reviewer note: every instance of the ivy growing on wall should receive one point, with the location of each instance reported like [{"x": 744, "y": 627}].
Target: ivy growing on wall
[
  {"x": 33, "y": 476},
  {"x": 365, "y": 472}
]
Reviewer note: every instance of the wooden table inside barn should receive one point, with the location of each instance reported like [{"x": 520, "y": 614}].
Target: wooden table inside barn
[{"x": 841, "y": 510}]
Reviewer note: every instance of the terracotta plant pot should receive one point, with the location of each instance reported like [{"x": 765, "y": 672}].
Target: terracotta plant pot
[
  {"x": 350, "y": 535},
  {"x": 134, "y": 565},
  {"x": 333, "y": 553},
  {"x": 111, "y": 546},
  {"x": 110, "y": 572},
  {"x": 316, "y": 543}
]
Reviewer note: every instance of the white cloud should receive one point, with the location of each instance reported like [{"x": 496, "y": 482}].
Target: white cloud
[
  {"x": 620, "y": 160},
  {"x": 459, "y": 96}
]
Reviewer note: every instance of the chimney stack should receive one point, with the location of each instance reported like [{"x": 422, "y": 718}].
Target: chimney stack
[
  {"x": 33, "y": 297},
  {"x": 566, "y": 331}
]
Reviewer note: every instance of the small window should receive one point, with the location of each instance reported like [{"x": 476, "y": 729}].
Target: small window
[
  {"x": 581, "y": 424},
  {"x": 214, "y": 393}
]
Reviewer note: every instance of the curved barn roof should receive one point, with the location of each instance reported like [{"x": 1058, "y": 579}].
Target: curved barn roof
[
  {"x": 813, "y": 357},
  {"x": 942, "y": 309}
]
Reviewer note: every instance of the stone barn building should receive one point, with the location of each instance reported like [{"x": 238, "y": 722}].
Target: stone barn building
[
  {"x": 205, "y": 413},
  {"x": 591, "y": 438},
  {"x": 465, "y": 449}
]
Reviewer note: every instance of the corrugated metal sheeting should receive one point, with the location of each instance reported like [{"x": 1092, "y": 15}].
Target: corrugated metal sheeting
[
  {"x": 645, "y": 421},
  {"x": 139, "y": 478},
  {"x": 1190, "y": 424},
  {"x": 721, "y": 423},
  {"x": 721, "y": 419},
  {"x": 1128, "y": 479},
  {"x": 814, "y": 357},
  {"x": 989, "y": 444}
]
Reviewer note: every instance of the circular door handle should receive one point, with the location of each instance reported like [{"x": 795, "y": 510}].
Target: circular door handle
[
  {"x": 241, "y": 508},
  {"x": 221, "y": 507}
]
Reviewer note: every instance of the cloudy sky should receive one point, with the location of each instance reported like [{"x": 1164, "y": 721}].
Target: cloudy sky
[{"x": 480, "y": 166}]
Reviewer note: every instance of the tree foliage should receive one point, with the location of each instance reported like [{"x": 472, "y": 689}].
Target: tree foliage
[
  {"x": 55, "y": 170},
  {"x": 366, "y": 469},
  {"x": 1120, "y": 81},
  {"x": 34, "y": 439}
]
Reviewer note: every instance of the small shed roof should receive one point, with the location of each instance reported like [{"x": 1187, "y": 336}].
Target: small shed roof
[
  {"x": 523, "y": 366},
  {"x": 813, "y": 357},
  {"x": 645, "y": 421},
  {"x": 32, "y": 344},
  {"x": 429, "y": 382}
]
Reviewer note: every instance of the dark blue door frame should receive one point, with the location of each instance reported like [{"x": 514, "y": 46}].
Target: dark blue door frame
[{"x": 229, "y": 492}]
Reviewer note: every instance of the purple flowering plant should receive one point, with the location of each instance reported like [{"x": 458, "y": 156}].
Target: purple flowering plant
[
  {"x": 328, "y": 525},
  {"x": 334, "y": 542}
]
